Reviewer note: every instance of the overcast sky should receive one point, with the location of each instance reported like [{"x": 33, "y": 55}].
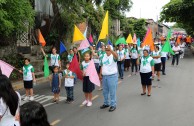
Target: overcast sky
[{"x": 146, "y": 8}]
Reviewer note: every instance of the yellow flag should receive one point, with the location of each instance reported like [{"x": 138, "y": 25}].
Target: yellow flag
[
  {"x": 77, "y": 36},
  {"x": 129, "y": 39},
  {"x": 104, "y": 30}
]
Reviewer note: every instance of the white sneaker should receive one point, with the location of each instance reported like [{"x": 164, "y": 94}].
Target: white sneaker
[
  {"x": 31, "y": 98},
  {"x": 26, "y": 98},
  {"x": 85, "y": 102},
  {"x": 89, "y": 103}
]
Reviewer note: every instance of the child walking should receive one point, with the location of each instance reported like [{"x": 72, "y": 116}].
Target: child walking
[
  {"x": 29, "y": 78},
  {"x": 56, "y": 83},
  {"x": 69, "y": 83},
  {"x": 88, "y": 86}
]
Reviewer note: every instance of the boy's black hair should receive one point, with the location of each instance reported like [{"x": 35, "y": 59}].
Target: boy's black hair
[{"x": 27, "y": 59}]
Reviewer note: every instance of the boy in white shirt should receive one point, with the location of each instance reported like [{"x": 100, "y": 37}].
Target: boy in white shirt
[
  {"x": 176, "y": 50},
  {"x": 69, "y": 83}
]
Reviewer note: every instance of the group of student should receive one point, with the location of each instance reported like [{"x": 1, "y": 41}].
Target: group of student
[{"x": 110, "y": 64}]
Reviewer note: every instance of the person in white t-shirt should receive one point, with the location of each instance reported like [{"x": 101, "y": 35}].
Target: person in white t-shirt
[
  {"x": 163, "y": 59},
  {"x": 176, "y": 50},
  {"x": 29, "y": 79},
  {"x": 120, "y": 61},
  {"x": 127, "y": 58},
  {"x": 146, "y": 72},
  {"x": 109, "y": 75},
  {"x": 156, "y": 55},
  {"x": 182, "y": 46},
  {"x": 9, "y": 103},
  {"x": 69, "y": 83}
]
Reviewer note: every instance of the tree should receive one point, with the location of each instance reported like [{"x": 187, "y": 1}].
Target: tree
[
  {"x": 13, "y": 14},
  {"x": 180, "y": 11}
]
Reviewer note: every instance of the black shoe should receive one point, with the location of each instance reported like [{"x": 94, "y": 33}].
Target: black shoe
[
  {"x": 149, "y": 95},
  {"x": 104, "y": 106},
  {"x": 143, "y": 94},
  {"x": 163, "y": 73},
  {"x": 121, "y": 77},
  {"x": 112, "y": 109}
]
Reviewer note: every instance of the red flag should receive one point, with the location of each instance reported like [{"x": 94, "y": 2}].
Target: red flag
[
  {"x": 92, "y": 73},
  {"x": 74, "y": 67}
]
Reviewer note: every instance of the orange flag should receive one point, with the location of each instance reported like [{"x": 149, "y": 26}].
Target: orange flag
[
  {"x": 178, "y": 40},
  {"x": 148, "y": 40},
  {"x": 41, "y": 38}
]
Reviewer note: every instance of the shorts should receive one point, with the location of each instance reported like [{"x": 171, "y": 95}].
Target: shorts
[
  {"x": 28, "y": 84},
  {"x": 146, "y": 78},
  {"x": 157, "y": 67}
]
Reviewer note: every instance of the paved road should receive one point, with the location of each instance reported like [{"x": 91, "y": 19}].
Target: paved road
[{"x": 171, "y": 103}]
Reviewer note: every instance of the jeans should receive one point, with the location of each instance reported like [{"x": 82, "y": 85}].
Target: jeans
[
  {"x": 176, "y": 56},
  {"x": 69, "y": 91},
  {"x": 134, "y": 64},
  {"x": 163, "y": 59},
  {"x": 110, "y": 83},
  {"x": 120, "y": 65},
  {"x": 97, "y": 67},
  {"x": 75, "y": 78}
]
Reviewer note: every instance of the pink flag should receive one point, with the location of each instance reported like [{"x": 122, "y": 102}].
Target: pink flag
[
  {"x": 92, "y": 73},
  {"x": 90, "y": 38},
  {"x": 6, "y": 69},
  {"x": 134, "y": 39},
  {"x": 84, "y": 44}
]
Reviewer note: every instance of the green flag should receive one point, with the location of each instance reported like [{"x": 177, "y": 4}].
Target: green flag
[
  {"x": 121, "y": 41},
  {"x": 46, "y": 67},
  {"x": 167, "y": 46}
]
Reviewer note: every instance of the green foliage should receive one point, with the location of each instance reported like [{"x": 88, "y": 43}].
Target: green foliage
[
  {"x": 13, "y": 13},
  {"x": 131, "y": 26},
  {"x": 180, "y": 11}
]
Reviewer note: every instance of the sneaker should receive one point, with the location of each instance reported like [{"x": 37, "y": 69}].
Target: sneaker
[
  {"x": 31, "y": 98},
  {"x": 85, "y": 102},
  {"x": 89, "y": 103},
  {"x": 26, "y": 98}
]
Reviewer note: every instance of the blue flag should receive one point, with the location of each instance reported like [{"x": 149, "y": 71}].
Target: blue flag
[
  {"x": 62, "y": 48},
  {"x": 110, "y": 43},
  {"x": 98, "y": 45}
]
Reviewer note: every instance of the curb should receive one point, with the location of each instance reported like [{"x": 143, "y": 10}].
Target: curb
[{"x": 19, "y": 85}]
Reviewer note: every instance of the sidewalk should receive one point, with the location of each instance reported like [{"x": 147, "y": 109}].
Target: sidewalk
[{"x": 19, "y": 84}]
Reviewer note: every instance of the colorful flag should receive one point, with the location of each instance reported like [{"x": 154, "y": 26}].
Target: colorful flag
[
  {"x": 138, "y": 42},
  {"x": 129, "y": 39},
  {"x": 110, "y": 43},
  {"x": 77, "y": 36},
  {"x": 85, "y": 33},
  {"x": 148, "y": 40},
  {"x": 41, "y": 38},
  {"x": 62, "y": 48},
  {"x": 46, "y": 67},
  {"x": 92, "y": 73},
  {"x": 167, "y": 46},
  {"x": 134, "y": 39},
  {"x": 91, "y": 39},
  {"x": 84, "y": 44},
  {"x": 121, "y": 41},
  {"x": 104, "y": 30},
  {"x": 74, "y": 67},
  {"x": 6, "y": 69}
]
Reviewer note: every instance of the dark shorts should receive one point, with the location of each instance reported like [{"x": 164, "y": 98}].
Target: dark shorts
[
  {"x": 88, "y": 86},
  {"x": 157, "y": 67},
  {"x": 146, "y": 78},
  {"x": 28, "y": 84}
]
